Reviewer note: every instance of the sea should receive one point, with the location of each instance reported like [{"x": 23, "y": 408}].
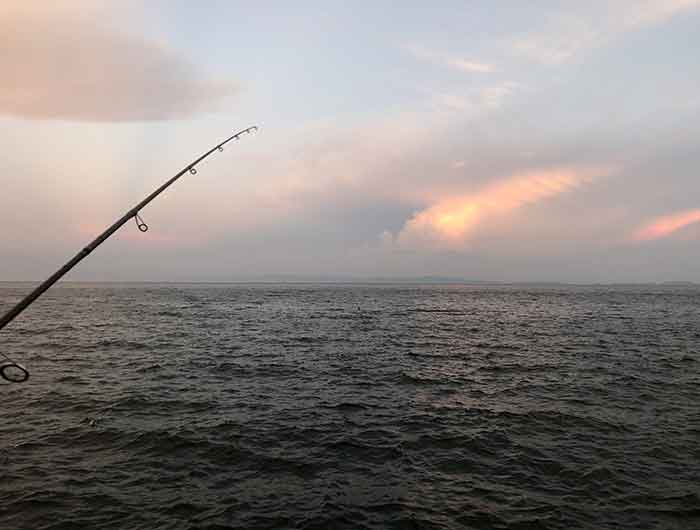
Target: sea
[{"x": 350, "y": 406}]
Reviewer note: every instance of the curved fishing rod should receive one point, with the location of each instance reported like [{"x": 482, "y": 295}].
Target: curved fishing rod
[{"x": 15, "y": 372}]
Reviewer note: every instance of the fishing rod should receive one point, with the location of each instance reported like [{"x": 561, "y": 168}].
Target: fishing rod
[{"x": 16, "y": 373}]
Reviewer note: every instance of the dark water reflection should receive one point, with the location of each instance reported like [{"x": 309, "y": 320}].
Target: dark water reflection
[{"x": 277, "y": 406}]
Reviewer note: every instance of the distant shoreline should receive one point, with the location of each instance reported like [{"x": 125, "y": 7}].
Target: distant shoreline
[{"x": 367, "y": 281}]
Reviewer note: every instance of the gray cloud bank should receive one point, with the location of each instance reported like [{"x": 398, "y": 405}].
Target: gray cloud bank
[{"x": 64, "y": 64}]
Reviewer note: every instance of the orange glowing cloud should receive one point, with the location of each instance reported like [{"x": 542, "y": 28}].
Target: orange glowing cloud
[
  {"x": 452, "y": 220},
  {"x": 666, "y": 225}
]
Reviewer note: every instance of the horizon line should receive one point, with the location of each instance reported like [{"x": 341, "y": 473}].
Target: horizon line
[{"x": 421, "y": 280}]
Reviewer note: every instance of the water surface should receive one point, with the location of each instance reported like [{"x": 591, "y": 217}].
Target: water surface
[{"x": 351, "y": 407}]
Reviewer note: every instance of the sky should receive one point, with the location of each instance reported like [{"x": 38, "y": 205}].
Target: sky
[{"x": 489, "y": 141}]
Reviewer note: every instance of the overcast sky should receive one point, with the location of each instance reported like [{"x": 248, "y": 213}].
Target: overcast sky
[{"x": 507, "y": 141}]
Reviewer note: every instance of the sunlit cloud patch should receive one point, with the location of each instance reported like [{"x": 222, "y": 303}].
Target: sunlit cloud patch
[
  {"x": 667, "y": 225},
  {"x": 453, "y": 220}
]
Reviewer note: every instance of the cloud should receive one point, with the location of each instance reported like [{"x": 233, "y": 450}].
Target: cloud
[
  {"x": 451, "y": 221},
  {"x": 473, "y": 100},
  {"x": 68, "y": 63},
  {"x": 453, "y": 102},
  {"x": 666, "y": 225},
  {"x": 566, "y": 35},
  {"x": 494, "y": 96},
  {"x": 468, "y": 66},
  {"x": 565, "y": 38},
  {"x": 460, "y": 64}
]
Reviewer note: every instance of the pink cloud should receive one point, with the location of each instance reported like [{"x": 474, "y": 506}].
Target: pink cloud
[
  {"x": 451, "y": 221},
  {"x": 666, "y": 225},
  {"x": 456, "y": 63},
  {"x": 566, "y": 34},
  {"x": 66, "y": 62}
]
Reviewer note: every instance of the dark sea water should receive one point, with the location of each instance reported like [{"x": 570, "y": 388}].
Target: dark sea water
[{"x": 352, "y": 407}]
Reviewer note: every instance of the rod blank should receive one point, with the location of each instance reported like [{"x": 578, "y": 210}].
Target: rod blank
[{"x": 16, "y": 373}]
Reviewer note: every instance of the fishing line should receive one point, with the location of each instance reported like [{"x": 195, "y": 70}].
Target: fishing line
[{"x": 16, "y": 373}]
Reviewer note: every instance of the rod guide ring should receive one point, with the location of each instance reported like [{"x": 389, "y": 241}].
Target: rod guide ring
[
  {"x": 142, "y": 226},
  {"x": 14, "y": 372}
]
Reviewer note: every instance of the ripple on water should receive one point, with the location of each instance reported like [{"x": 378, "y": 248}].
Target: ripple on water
[{"x": 274, "y": 406}]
